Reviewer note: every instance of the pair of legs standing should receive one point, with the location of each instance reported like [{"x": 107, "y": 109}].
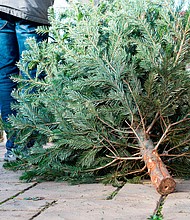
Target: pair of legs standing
[{"x": 13, "y": 34}]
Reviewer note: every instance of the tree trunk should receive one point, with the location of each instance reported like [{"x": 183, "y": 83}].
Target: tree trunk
[{"x": 157, "y": 170}]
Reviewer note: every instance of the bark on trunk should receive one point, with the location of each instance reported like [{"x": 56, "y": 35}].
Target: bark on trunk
[{"x": 157, "y": 170}]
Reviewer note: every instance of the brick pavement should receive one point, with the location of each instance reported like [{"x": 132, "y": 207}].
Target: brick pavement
[{"x": 61, "y": 201}]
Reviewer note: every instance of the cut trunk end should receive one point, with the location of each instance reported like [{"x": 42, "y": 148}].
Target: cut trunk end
[
  {"x": 166, "y": 186},
  {"x": 158, "y": 172}
]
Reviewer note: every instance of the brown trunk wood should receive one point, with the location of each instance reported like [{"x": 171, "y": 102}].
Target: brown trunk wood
[{"x": 158, "y": 172}]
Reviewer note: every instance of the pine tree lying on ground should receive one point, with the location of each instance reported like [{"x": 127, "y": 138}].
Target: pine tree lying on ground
[{"x": 116, "y": 92}]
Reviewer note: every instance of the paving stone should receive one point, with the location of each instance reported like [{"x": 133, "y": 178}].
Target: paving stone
[
  {"x": 138, "y": 197},
  {"x": 83, "y": 209},
  {"x": 177, "y": 205},
  {"x": 25, "y": 204},
  {"x": 16, "y": 215},
  {"x": 137, "y": 190},
  {"x": 128, "y": 204},
  {"x": 61, "y": 201},
  {"x": 9, "y": 176},
  {"x": 8, "y": 190},
  {"x": 18, "y": 186},
  {"x": 65, "y": 191}
]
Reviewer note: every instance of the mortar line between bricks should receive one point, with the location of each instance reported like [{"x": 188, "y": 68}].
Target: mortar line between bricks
[
  {"x": 159, "y": 205},
  {"x": 114, "y": 193},
  {"x": 49, "y": 204},
  {"x": 19, "y": 193}
]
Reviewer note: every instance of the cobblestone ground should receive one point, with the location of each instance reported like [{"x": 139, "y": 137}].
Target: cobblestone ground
[{"x": 58, "y": 200}]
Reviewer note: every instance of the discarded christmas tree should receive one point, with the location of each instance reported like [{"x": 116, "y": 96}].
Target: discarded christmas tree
[{"x": 115, "y": 97}]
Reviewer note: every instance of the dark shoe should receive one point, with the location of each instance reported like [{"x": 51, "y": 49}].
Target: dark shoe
[{"x": 9, "y": 156}]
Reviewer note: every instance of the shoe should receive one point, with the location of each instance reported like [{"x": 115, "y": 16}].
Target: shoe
[{"x": 9, "y": 156}]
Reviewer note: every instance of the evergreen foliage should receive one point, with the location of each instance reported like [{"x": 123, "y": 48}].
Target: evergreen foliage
[{"x": 107, "y": 73}]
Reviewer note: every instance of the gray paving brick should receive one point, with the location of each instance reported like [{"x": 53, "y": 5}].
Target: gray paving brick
[
  {"x": 177, "y": 205},
  {"x": 16, "y": 215},
  {"x": 59, "y": 200}
]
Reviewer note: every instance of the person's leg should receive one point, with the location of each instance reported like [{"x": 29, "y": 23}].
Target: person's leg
[
  {"x": 24, "y": 30},
  {"x": 8, "y": 57}
]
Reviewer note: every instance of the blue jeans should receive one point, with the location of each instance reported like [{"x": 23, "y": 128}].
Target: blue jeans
[{"x": 13, "y": 34}]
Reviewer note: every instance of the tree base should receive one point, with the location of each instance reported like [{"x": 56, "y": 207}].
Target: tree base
[{"x": 158, "y": 172}]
